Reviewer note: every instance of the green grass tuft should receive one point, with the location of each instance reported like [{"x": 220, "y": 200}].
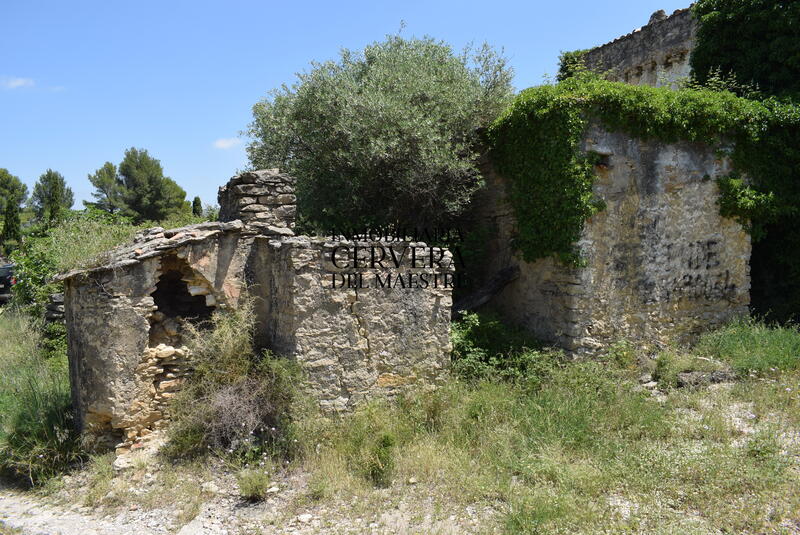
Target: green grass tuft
[{"x": 752, "y": 346}]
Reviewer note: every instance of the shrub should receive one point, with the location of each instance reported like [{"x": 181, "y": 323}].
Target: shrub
[
  {"x": 571, "y": 63},
  {"x": 483, "y": 346},
  {"x": 236, "y": 401},
  {"x": 37, "y": 437},
  {"x": 81, "y": 240},
  {"x": 752, "y": 346},
  {"x": 253, "y": 483},
  {"x": 384, "y": 135}
]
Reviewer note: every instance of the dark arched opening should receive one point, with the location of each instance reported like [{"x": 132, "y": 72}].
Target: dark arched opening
[{"x": 175, "y": 303}]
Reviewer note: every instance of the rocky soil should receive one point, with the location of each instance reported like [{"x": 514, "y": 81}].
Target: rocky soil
[{"x": 409, "y": 509}]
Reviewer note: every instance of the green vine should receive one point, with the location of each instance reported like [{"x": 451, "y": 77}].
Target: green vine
[
  {"x": 757, "y": 41},
  {"x": 571, "y": 63},
  {"x": 536, "y": 144}
]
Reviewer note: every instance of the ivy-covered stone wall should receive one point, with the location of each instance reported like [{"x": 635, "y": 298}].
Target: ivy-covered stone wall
[{"x": 658, "y": 263}]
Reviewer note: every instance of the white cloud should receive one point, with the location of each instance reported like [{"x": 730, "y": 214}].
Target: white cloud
[
  {"x": 15, "y": 83},
  {"x": 225, "y": 143}
]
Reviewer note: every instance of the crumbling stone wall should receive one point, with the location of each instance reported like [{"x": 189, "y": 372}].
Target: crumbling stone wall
[
  {"x": 125, "y": 319},
  {"x": 661, "y": 264},
  {"x": 656, "y": 54},
  {"x": 261, "y": 199},
  {"x": 124, "y": 345}
]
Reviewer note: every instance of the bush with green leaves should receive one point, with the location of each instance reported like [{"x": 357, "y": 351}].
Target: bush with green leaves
[
  {"x": 81, "y": 240},
  {"x": 254, "y": 483},
  {"x": 485, "y": 347},
  {"x": 238, "y": 402},
  {"x": 571, "y": 63},
  {"x": 384, "y": 135}
]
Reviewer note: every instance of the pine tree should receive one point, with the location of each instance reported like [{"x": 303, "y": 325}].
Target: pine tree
[
  {"x": 11, "y": 228},
  {"x": 147, "y": 194},
  {"x": 51, "y": 197},
  {"x": 108, "y": 189},
  {"x": 197, "y": 207},
  {"x": 11, "y": 187}
]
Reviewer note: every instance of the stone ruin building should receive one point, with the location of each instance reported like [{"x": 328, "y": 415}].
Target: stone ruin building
[
  {"x": 661, "y": 265},
  {"x": 125, "y": 318}
]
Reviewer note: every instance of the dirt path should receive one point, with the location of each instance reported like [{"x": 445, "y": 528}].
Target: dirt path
[
  {"x": 228, "y": 515},
  {"x": 32, "y": 517}
]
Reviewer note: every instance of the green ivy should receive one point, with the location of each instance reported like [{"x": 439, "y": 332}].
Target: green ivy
[
  {"x": 757, "y": 40},
  {"x": 571, "y": 63},
  {"x": 740, "y": 201},
  {"x": 536, "y": 144}
]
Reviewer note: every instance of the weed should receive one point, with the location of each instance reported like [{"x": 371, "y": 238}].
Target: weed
[
  {"x": 483, "y": 346},
  {"x": 671, "y": 362},
  {"x": 237, "y": 402},
  {"x": 253, "y": 483}
]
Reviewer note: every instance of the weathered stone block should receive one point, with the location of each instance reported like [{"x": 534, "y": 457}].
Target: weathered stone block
[{"x": 354, "y": 342}]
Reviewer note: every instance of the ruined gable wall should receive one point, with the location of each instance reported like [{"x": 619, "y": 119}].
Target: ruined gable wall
[
  {"x": 661, "y": 264},
  {"x": 126, "y": 359},
  {"x": 656, "y": 54}
]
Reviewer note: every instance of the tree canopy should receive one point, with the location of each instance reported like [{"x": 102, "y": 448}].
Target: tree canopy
[
  {"x": 11, "y": 189},
  {"x": 757, "y": 40},
  {"x": 51, "y": 196},
  {"x": 197, "y": 206},
  {"x": 383, "y": 135},
  {"x": 108, "y": 190},
  {"x": 137, "y": 189},
  {"x": 12, "y": 233}
]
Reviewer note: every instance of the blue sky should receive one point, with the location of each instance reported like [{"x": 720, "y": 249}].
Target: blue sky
[{"x": 82, "y": 81}]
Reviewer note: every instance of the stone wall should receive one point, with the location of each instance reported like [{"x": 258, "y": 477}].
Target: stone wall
[
  {"x": 262, "y": 199},
  {"x": 656, "y": 54},
  {"x": 356, "y": 337},
  {"x": 661, "y": 264},
  {"x": 362, "y": 331},
  {"x": 125, "y": 320}
]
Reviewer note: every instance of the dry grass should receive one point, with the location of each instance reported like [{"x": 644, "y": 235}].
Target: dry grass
[{"x": 587, "y": 453}]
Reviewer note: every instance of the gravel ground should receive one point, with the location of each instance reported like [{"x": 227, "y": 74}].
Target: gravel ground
[{"x": 409, "y": 510}]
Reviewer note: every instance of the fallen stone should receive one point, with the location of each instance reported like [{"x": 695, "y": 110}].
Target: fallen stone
[
  {"x": 210, "y": 487},
  {"x": 704, "y": 378}
]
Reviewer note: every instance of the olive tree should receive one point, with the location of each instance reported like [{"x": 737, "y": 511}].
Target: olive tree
[{"x": 388, "y": 134}]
